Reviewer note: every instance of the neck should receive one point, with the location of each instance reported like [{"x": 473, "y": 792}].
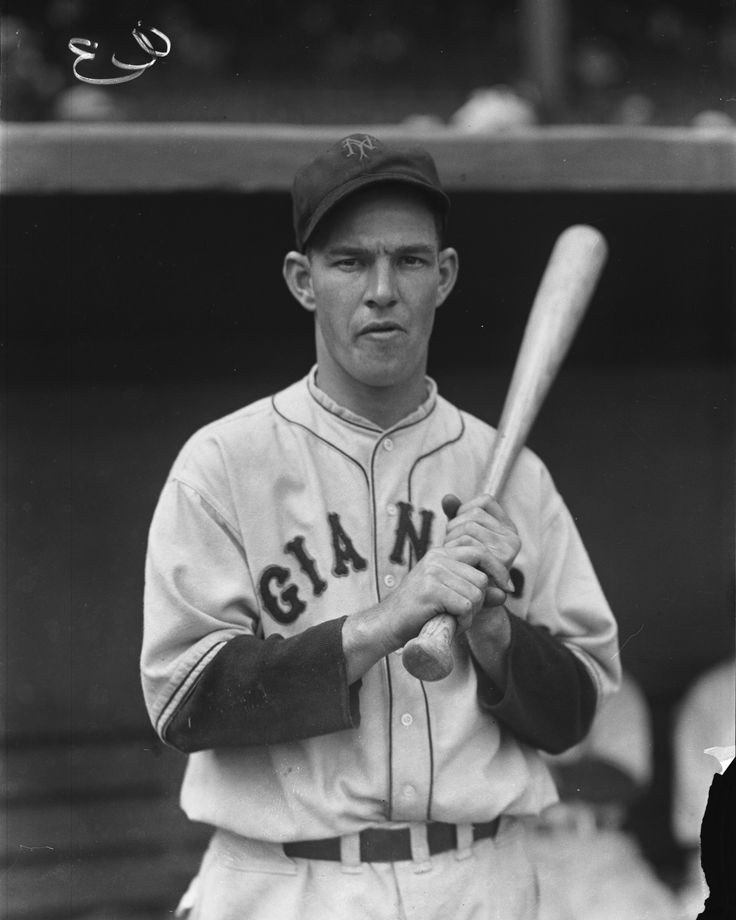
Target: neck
[{"x": 382, "y": 405}]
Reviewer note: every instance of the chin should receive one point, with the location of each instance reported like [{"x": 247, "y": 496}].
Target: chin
[{"x": 383, "y": 373}]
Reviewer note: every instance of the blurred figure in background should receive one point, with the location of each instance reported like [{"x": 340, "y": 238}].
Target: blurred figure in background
[
  {"x": 589, "y": 867},
  {"x": 704, "y": 719},
  {"x": 492, "y": 109},
  {"x": 88, "y": 103}
]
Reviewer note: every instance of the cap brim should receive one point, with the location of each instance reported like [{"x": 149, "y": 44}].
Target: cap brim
[{"x": 360, "y": 182}]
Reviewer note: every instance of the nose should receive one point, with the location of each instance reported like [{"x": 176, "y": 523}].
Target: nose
[{"x": 381, "y": 286}]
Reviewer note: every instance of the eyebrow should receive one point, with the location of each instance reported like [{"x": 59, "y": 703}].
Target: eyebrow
[{"x": 407, "y": 249}]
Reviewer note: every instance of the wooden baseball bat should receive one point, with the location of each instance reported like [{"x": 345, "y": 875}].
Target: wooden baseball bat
[{"x": 564, "y": 292}]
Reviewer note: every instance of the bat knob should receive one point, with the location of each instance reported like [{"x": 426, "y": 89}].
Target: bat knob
[{"x": 429, "y": 655}]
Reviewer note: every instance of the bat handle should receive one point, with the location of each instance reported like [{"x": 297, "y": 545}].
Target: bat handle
[{"x": 429, "y": 655}]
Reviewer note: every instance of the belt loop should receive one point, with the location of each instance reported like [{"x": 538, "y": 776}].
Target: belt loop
[
  {"x": 464, "y": 841},
  {"x": 420, "y": 847},
  {"x": 350, "y": 854}
]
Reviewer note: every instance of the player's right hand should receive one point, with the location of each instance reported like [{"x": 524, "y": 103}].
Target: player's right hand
[{"x": 446, "y": 580}]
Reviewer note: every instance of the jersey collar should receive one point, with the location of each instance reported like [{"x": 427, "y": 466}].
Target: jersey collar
[{"x": 358, "y": 421}]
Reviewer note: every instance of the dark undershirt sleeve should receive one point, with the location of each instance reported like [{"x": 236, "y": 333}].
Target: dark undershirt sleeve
[
  {"x": 550, "y": 698},
  {"x": 596, "y": 781},
  {"x": 265, "y": 691}
]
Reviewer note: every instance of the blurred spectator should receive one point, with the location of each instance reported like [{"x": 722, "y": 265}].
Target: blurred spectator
[
  {"x": 711, "y": 119},
  {"x": 491, "y": 109},
  {"x": 634, "y": 109},
  {"x": 704, "y": 719},
  {"x": 87, "y": 103},
  {"x": 589, "y": 867}
]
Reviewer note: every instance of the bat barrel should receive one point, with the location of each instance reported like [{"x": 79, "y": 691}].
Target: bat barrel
[{"x": 564, "y": 292}]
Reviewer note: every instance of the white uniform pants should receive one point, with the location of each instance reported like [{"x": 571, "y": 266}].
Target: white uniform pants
[{"x": 243, "y": 879}]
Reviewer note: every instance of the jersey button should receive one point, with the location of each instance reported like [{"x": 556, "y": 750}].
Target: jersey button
[
  {"x": 389, "y": 581},
  {"x": 391, "y": 509},
  {"x": 407, "y": 719},
  {"x": 388, "y": 444},
  {"x": 409, "y": 791}
]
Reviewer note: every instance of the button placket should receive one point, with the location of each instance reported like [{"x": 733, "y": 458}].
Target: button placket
[
  {"x": 391, "y": 465},
  {"x": 388, "y": 478}
]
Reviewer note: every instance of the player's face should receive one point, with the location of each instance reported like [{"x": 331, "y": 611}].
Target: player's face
[{"x": 375, "y": 281}]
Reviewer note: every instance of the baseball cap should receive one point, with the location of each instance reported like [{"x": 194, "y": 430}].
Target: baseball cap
[{"x": 353, "y": 163}]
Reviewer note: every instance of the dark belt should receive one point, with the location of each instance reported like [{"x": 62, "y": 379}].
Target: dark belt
[{"x": 382, "y": 845}]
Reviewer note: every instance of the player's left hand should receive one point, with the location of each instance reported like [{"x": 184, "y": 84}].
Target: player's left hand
[{"x": 481, "y": 521}]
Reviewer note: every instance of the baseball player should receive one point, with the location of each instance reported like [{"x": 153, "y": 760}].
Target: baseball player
[{"x": 301, "y": 541}]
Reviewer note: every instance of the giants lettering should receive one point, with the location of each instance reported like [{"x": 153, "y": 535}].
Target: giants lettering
[
  {"x": 343, "y": 549},
  {"x": 281, "y": 597},
  {"x": 306, "y": 564},
  {"x": 287, "y": 607},
  {"x": 405, "y": 529}
]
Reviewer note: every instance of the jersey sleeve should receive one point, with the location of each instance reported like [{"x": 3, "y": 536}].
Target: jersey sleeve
[
  {"x": 563, "y": 661},
  {"x": 209, "y": 678},
  {"x": 549, "y": 700},
  {"x": 568, "y": 600}
]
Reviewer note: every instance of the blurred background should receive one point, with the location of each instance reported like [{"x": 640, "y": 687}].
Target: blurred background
[
  {"x": 143, "y": 227},
  {"x": 662, "y": 62}
]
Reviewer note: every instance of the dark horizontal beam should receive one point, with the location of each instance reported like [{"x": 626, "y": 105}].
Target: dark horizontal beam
[{"x": 67, "y": 158}]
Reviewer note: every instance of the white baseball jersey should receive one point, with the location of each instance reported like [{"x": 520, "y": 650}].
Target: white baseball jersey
[{"x": 292, "y": 513}]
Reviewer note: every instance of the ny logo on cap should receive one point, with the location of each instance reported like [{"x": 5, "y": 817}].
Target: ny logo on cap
[{"x": 359, "y": 145}]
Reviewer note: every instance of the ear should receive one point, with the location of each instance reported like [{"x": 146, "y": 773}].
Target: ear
[
  {"x": 297, "y": 273},
  {"x": 449, "y": 265}
]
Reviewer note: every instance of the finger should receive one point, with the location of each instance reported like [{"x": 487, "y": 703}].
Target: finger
[
  {"x": 495, "y": 597},
  {"x": 498, "y": 573},
  {"x": 470, "y": 560},
  {"x": 473, "y": 552},
  {"x": 450, "y": 505},
  {"x": 500, "y": 524},
  {"x": 491, "y": 505},
  {"x": 459, "y": 598},
  {"x": 468, "y": 572},
  {"x": 484, "y": 528}
]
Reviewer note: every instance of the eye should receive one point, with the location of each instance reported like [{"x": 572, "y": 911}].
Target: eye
[
  {"x": 347, "y": 263},
  {"x": 413, "y": 261}
]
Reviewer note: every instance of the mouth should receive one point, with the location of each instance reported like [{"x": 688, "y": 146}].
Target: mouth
[{"x": 381, "y": 329}]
